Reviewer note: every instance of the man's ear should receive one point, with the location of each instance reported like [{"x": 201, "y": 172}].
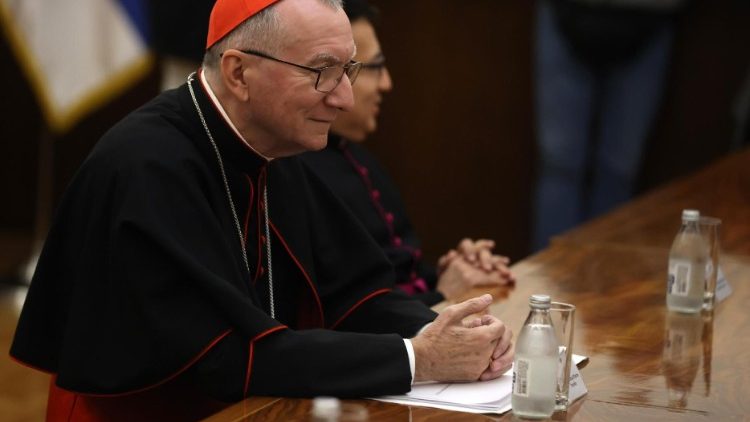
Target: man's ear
[{"x": 233, "y": 68}]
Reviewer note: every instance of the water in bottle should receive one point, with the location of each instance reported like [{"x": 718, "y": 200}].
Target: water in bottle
[
  {"x": 535, "y": 364},
  {"x": 687, "y": 266}
]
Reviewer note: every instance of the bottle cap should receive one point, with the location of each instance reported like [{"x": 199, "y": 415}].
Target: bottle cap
[
  {"x": 540, "y": 301},
  {"x": 690, "y": 215}
]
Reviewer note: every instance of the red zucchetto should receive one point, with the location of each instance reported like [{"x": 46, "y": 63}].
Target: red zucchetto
[{"x": 228, "y": 14}]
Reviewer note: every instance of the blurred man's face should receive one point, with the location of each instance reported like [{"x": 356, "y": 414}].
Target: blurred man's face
[
  {"x": 285, "y": 110},
  {"x": 371, "y": 83}
]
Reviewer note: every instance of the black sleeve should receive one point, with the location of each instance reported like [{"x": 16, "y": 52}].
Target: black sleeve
[
  {"x": 394, "y": 312},
  {"x": 431, "y": 298},
  {"x": 304, "y": 364}
]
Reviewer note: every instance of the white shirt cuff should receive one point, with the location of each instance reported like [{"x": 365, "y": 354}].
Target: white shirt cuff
[
  {"x": 410, "y": 352},
  {"x": 412, "y": 361}
]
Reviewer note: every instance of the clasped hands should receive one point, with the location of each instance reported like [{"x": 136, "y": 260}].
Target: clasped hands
[
  {"x": 471, "y": 264},
  {"x": 454, "y": 348}
]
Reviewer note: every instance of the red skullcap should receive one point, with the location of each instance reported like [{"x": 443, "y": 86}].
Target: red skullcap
[{"x": 229, "y": 14}]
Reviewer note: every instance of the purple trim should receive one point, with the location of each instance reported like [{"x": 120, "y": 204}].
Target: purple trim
[{"x": 414, "y": 284}]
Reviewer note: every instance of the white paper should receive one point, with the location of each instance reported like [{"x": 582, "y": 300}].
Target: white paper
[
  {"x": 464, "y": 393},
  {"x": 477, "y": 397},
  {"x": 577, "y": 386},
  {"x": 723, "y": 289}
]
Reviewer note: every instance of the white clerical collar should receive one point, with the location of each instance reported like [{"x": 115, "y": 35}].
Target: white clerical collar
[{"x": 224, "y": 114}]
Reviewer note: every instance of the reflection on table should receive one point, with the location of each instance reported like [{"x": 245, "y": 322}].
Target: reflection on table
[{"x": 721, "y": 190}]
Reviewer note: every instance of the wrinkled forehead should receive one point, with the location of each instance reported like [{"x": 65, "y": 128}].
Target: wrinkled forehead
[{"x": 315, "y": 32}]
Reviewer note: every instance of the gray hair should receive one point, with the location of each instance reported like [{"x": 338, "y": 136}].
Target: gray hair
[{"x": 263, "y": 31}]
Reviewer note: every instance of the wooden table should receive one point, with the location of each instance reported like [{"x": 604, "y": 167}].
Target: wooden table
[
  {"x": 614, "y": 270},
  {"x": 23, "y": 391},
  {"x": 621, "y": 324},
  {"x": 720, "y": 190}
]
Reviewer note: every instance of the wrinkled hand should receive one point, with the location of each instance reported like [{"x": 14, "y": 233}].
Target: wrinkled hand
[
  {"x": 449, "y": 350},
  {"x": 461, "y": 276},
  {"x": 502, "y": 356},
  {"x": 479, "y": 253}
]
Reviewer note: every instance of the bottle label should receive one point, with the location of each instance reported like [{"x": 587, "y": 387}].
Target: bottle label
[
  {"x": 674, "y": 344},
  {"x": 521, "y": 378},
  {"x": 678, "y": 280}
]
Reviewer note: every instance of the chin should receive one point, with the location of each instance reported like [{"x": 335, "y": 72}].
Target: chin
[
  {"x": 358, "y": 134},
  {"x": 316, "y": 143}
]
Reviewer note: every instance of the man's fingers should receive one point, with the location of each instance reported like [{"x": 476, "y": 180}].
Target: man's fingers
[
  {"x": 477, "y": 251},
  {"x": 500, "y": 261},
  {"x": 485, "y": 244},
  {"x": 476, "y": 322},
  {"x": 502, "y": 358},
  {"x": 466, "y": 245},
  {"x": 504, "y": 344},
  {"x": 472, "y": 306},
  {"x": 485, "y": 260},
  {"x": 496, "y": 329},
  {"x": 448, "y": 257},
  {"x": 494, "y": 370}
]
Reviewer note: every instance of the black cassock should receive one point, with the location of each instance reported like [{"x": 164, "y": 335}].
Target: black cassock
[
  {"x": 141, "y": 284},
  {"x": 364, "y": 186}
]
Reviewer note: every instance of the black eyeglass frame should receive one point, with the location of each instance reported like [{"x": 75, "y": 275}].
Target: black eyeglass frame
[
  {"x": 351, "y": 69},
  {"x": 378, "y": 65}
]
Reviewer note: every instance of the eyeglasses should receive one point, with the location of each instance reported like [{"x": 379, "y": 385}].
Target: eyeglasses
[
  {"x": 329, "y": 77},
  {"x": 378, "y": 65}
]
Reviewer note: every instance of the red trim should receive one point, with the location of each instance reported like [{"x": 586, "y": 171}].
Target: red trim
[
  {"x": 165, "y": 380},
  {"x": 376, "y": 198},
  {"x": 250, "y": 354},
  {"x": 358, "y": 304},
  {"x": 304, "y": 273},
  {"x": 262, "y": 180},
  {"x": 73, "y": 407},
  {"x": 249, "y": 368},
  {"x": 249, "y": 206}
]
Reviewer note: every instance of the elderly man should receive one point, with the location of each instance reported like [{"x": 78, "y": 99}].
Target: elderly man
[{"x": 191, "y": 265}]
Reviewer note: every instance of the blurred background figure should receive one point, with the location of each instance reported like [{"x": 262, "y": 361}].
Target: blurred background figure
[
  {"x": 357, "y": 178},
  {"x": 178, "y": 37},
  {"x": 600, "y": 69}
]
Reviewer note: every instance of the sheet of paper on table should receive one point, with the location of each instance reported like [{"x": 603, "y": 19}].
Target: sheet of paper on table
[
  {"x": 477, "y": 397},
  {"x": 723, "y": 289}
]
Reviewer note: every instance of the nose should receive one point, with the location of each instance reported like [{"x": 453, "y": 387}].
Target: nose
[
  {"x": 342, "y": 96},
  {"x": 385, "y": 83}
]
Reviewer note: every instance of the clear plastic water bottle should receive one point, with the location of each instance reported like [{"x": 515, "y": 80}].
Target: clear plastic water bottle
[
  {"x": 687, "y": 266},
  {"x": 535, "y": 364}
]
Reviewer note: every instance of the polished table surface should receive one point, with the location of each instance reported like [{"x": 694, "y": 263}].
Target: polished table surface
[
  {"x": 621, "y": 324},
  {"x": 720, "y": 190},
  {"x": 614, "y": 270},
  {"x": 23, "y": 391}
]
